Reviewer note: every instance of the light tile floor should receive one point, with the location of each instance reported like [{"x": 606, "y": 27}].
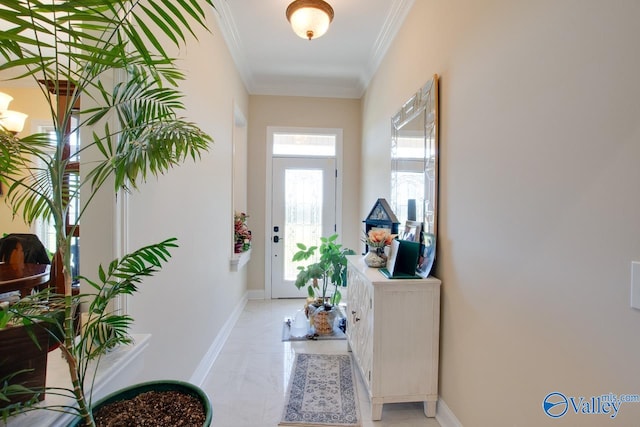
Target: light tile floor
[{"x": 249, "y": 378}]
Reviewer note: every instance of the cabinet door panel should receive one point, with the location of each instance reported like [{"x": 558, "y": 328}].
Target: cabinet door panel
[{"x": 360, "y": 326}]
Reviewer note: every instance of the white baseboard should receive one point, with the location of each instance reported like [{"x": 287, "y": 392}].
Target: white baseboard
[
  {"x": 205, "y": 365},
  {"x": 256, "y": 294},
  {"x": 445, "y": 417}
]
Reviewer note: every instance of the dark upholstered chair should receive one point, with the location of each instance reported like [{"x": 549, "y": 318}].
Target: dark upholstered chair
[{"x": 33, "y": 249}]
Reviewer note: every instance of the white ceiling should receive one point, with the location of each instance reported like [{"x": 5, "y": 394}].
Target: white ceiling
[{"x": 272, "y": 60}]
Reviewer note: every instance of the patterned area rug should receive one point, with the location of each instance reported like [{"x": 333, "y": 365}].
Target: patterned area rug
[{"x": 322, "y": 392}]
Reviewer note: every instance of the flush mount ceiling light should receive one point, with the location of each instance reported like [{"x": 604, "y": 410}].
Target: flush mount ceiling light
[{"x": 310, "y": 19}]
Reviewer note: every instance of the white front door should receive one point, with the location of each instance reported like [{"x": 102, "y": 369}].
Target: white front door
[{"x": 303, "y": 210}]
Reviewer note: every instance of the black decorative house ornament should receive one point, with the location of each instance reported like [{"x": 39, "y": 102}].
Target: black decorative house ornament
[{"x": 381, "y": 216}]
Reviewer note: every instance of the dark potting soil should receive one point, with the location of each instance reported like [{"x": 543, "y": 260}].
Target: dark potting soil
[{"x": 153, "y": 409}]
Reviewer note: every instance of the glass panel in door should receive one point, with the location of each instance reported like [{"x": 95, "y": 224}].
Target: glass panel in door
[{"x": 303, "y": 211}]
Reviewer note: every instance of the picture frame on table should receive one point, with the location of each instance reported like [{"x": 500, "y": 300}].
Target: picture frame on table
[
  {"x": 412, "y": 231},
  {"x": 427, "y": 255}
]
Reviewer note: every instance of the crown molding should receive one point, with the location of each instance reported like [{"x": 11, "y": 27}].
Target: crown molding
[
  {"x": 231, "y": 37},
  {"x": 395, "y": 18}
]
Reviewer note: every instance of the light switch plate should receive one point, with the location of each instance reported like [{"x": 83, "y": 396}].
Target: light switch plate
[{"x": 635, "y": 284}]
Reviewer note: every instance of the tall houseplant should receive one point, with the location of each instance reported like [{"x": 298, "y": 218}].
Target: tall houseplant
[
  {"x": 109, "y": 52},
  {"x": 330, "y": 268}
]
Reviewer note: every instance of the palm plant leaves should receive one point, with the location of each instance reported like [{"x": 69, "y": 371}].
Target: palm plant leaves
[
  {"x": 105, "y": 329},
  {"x": 30, "y": 186},
  {"x": 82, "y": 42},
  {"x": 9, "y": 150},
  {"x": 77, "y": 48},
  {"x": 9, "y": 389}
]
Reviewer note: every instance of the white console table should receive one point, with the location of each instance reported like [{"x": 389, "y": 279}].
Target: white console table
[
  {"x": 393, "y": 330},
  {"x": 117, "y": 369}
]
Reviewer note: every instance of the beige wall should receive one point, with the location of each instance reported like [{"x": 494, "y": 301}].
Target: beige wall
[
  {"x": 186, "y": 306},
  {"x": 29, "y": 101},
  {"x": 284, "y": 111},
  {"x": 539, "y": 206}
]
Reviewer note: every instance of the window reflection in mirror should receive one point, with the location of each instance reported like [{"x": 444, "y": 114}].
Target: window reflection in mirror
[
  {"x": 407, "y": 175},
  {"x": 414, "y": 154}
]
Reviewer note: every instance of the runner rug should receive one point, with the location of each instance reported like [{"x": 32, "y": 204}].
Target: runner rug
[{"x": 322, "y": 392}]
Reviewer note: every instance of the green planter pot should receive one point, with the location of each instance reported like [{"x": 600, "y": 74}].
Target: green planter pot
[{"x": 162, "y": 385}]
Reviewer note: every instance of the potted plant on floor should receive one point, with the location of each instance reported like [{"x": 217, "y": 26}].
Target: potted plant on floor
[
  {"x": 111, "y": 53},
  {"x": 329, "y": 269}
]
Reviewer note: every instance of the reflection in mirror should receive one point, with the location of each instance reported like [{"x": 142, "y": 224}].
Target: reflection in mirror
[{"x": 414, "y": 156}]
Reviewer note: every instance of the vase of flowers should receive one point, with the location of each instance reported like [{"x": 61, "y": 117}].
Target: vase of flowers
[
  {"x": 242, "y": 234},
  {"x": 377, "y": 239}
]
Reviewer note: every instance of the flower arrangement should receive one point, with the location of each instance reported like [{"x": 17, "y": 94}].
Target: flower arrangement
[
  {"x": 378, "y": 237},
  {"x": 242, "y": 234}
]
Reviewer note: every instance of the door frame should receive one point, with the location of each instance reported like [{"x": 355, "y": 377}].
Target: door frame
[{"x": 268, "y": 235}]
